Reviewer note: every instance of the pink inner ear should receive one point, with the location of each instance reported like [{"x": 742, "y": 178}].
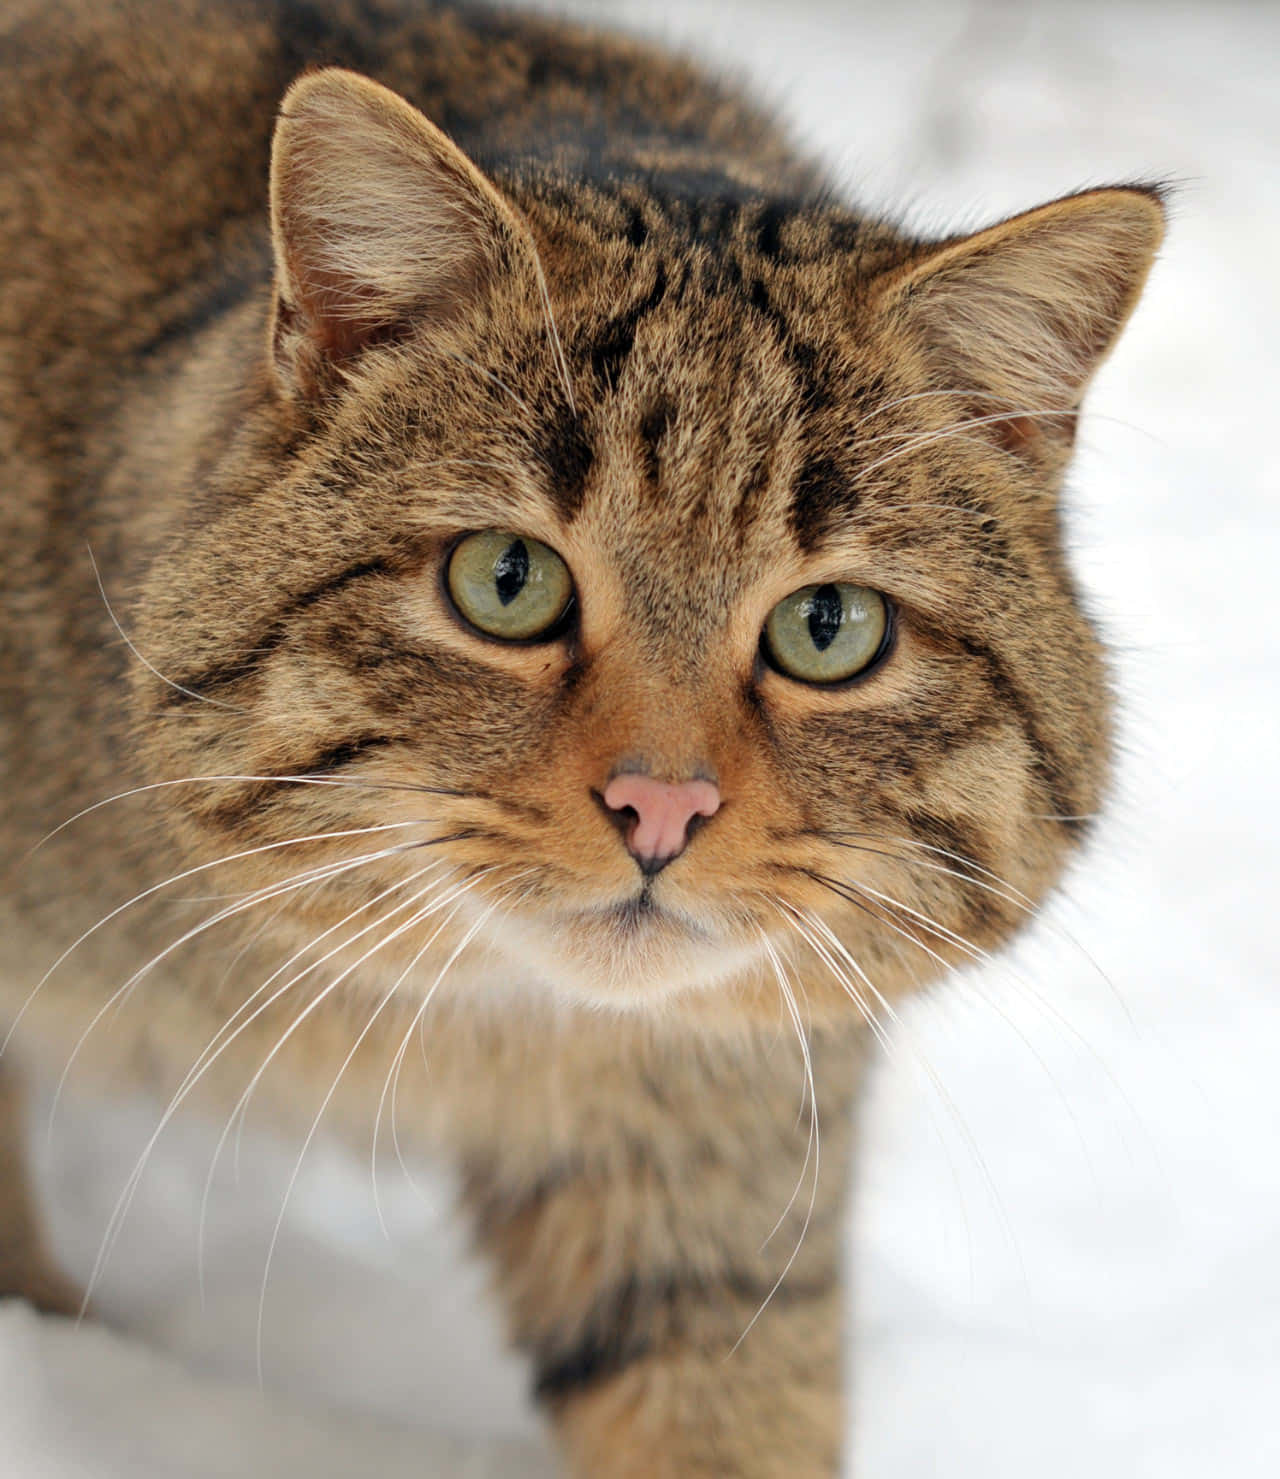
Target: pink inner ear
[{"x": 664, "y": 811}]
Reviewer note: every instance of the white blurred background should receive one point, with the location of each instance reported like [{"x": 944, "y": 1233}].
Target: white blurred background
[{"x": 1068, "y": 1260}]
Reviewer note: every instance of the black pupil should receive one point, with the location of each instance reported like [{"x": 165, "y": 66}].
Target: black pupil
[
  {"x": 511, "y": 571},
  {"x": 826, "y": 611}
]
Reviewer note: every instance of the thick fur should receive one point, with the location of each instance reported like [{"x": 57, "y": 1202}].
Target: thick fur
[{"x": 598, "y": 301}]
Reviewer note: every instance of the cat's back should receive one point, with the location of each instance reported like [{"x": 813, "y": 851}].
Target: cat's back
[
  {"x": 134, "y": 140},
  {"x": 131, "y": 134}
]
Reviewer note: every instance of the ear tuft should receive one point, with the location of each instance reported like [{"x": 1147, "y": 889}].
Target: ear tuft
[
  {"x": 1026, "y": 311},
  {"x": 377, "y": 219}
]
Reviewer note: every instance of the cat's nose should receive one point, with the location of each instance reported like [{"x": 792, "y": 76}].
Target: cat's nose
[{"x": 655, "y": 816}]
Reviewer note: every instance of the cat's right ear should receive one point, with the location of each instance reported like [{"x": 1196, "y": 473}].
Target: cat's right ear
[{"x": 378, "y": 221}]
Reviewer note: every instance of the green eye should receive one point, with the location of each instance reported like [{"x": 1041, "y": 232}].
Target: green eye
[
  {"x": 509, "y": 586},
  {"x": 826, "y": 633}
]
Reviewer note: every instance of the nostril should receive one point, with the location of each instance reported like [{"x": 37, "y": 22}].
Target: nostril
[
  {"x": 622, "y": 817},
  {"x": 657, "y": 818}
]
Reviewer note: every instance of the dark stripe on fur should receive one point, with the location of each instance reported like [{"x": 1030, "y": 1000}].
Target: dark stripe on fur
[
  {"x": 338, "y": 757},
  {"x": 631, "y": 1321},
  {"x": 222, "y": 675},
  {"x": 254, "y": 796},
  {"x": 568, "y": 455},
  {"x": 949, "y": 835},
  {"x": 654, "y": 425},
  {"x": 823, "y": 490},
  {"x": 773, "y": 216},
  {"x": 231, "y": 289},
  {"x": 1046, "y": 762},
  {"x": 614, "y": 345}
]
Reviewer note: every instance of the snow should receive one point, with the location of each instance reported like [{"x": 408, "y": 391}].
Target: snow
[{"x": 1068, "y": 1208}]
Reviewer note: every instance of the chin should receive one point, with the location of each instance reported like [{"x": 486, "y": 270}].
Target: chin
[{"x": 630, "y": 957}]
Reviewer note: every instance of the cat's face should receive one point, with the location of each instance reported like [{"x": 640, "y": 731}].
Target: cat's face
[{"x": 892, "y": 768}]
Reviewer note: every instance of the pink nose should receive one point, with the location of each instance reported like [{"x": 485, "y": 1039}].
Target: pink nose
[{"x": 663, "y": 813}]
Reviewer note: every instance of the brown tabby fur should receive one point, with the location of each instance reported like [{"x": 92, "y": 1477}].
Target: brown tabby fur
[{"x": 645, "y": 336}]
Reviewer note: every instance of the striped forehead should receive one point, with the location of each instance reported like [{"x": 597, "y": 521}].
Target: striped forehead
[
  {"x": 727, "y": 428},
  {"x": 700, "y": 423}
]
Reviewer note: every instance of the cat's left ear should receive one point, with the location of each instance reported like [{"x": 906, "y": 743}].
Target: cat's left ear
[
  {"x": 1022, "y": 314},
  {"x": 378, "y": 221}
]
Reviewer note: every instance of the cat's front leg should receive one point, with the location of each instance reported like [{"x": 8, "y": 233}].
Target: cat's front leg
[
  {"x": 666, "y": 1396},
  {"x": 673, "y": 1337}
]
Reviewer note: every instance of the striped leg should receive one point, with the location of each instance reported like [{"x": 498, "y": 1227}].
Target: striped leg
[{"x": 632, "y": 1269}]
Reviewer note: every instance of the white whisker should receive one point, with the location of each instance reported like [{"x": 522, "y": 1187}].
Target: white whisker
[
  {"x": 818, "y": 924},
  {"x": 489, "y": 375},
  {"x": 983, "y": 957},
  {"x": 807, "y": 1093},
  {"x": 392, "y": 1080},
  {"x": 433, "y": 906},
  {"x": 288, "y": 985},
  {"x": 186, "y": 873},
  {"x": 999, "y": 888},
  {"x": 201, "y": 780},
  {"x": 151, "y": 667},
  {"x": 315, "y": 1123},
  {"x": 243, "y": 904},
  {"x": 813, "y": 1146},
  {"x": 918, "y": 440},
  {"x": 969, "y": 394},
  {"x": 208, "y": 1057},
  {"x": 557, "y": 348},
  {"x": 973, "y": 394}
]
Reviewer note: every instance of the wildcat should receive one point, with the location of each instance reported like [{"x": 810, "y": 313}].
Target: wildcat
[{"x": 582, "y": 610}]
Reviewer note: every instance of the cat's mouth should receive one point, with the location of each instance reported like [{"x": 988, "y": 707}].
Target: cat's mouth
[
  {"x": 641, "y": 912},
  {"x": 629, "y": 952}
]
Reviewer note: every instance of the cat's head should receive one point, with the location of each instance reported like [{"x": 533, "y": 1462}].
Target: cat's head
[{"x": 678, "y": 580}]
